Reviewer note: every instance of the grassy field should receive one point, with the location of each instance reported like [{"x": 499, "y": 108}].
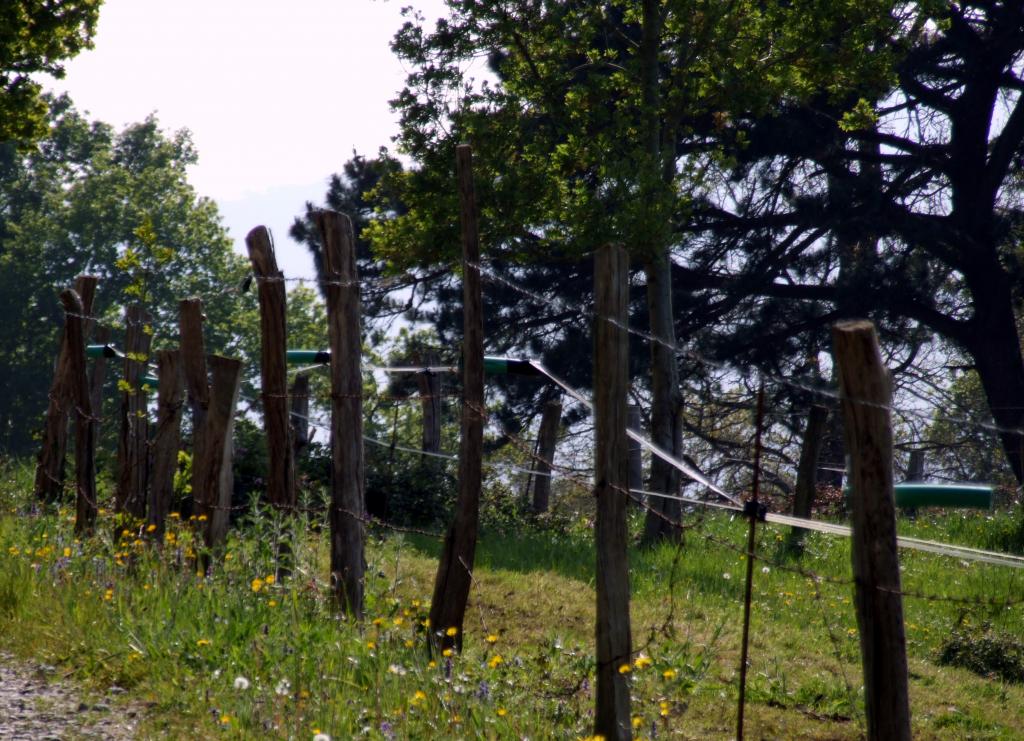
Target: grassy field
[{"x": 239, "y": 654}]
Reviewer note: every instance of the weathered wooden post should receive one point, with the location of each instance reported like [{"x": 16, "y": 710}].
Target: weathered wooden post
[
  {"x": 212, "y": 476},
  {"x": 547, "y": 438},
  {"x": 866, "y": 395},
  {"x": 170, "y": 400},
  {"x": 133, "y": 444},
  {"x": 86, "y": 508},
  {"x": 611, "y": 480},
  {"x": 430, "y": 403},
  {"x": 49, "y": 479},
  {"x": 347, "y": 514},
  {"x": 454, "y": 572},
  {"x": 77, "y": 385},
  {"x": 299, "y": 393},
  {"x": 636, "y": 453},
  {"x": 197, "y": 380},
  {"x": 807, "y": 472},
  {"x": 663, "y": 514},
  {"x": 273, "y": 369}
]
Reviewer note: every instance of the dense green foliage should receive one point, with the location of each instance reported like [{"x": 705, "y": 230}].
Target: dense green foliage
[
  {"x": 37, "y": 36},
  {"x": 118, "y": 205}
]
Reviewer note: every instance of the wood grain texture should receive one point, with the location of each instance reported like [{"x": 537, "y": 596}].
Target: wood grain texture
[
  {"x": 133, "y": 443},
  {"x": 611, "y": 477},
  {"x": 273, "y": 369},
  {"x": 49, "y": 478},
  {"x": 866, "y": 395},
  {"x": 166, "y": 439},
  {"x": 348, "y": 531},
  {"x": 455, "y": 570}
]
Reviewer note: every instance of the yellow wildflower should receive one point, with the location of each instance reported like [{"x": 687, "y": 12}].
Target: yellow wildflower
[
  {"x": 257, "y": 584},
  {"x": 452, "y": 631}
]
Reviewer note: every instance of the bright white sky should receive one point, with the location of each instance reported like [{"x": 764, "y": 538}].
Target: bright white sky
[{"x": 277, "y": 94}]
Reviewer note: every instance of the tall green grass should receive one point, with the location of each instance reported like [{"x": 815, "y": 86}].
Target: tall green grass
[{"x": 238, "y": 654}]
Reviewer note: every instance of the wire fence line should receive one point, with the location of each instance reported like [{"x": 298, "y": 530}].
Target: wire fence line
[{"x": 830, "y": 393}]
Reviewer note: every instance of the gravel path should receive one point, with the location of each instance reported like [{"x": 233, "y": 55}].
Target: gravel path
[{"x": 34, "y": 708}]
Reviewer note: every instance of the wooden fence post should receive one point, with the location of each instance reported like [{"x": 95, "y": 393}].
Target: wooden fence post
[
  {"x": 547, "y": 438},
  {"x": 611, "y": 480},
  {"x": 133, "y": 445},
  {"x": 455, "y": 569},
  {"x": 866, "y": 394},
  {"x": 212, "y": 471},
  {"x": 348, "y": 506},
  {"x": 299, "y": 393},
  {"x": 77, "y": 385},
  {"x": 430, "y": 403},
  {"x": 807, "y": 472},
  {"x": 197, "y": 380},
  {"x": 636, "y": 453},
  {"x": 86, "y": 508},
  {"x": 49, "y": 479},
  {"x": 170, "y": 400},
  {"x": 273, "y": 369}
]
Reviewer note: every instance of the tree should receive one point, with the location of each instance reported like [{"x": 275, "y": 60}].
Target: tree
[
  {"x": 36, "y": 36},
  {"x": 905, "y": 208},
  {"x": 117, "y": 205},
  {"x": 602, "y": 121}
]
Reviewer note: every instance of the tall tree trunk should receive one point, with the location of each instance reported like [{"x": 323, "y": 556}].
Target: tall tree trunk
[
  {"x": 666, "y": 405},
  {"x": 995, "y": 346},
  {"x": 666, "y": 397}
]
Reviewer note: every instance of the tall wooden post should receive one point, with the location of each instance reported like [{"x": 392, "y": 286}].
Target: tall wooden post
[
  {"x": 77, "y": 384},
  {"x": 170, "y": 400},
  {"x": 197, "y": 380},
  {"x": 212, "y": 475},
  {"x": 807, "y": 472},
  {"x": 299, "y": 393},
  {"x": 430, "y": 404},
  {"x": 273, "y": 369},
  {"x": 636, "y": 453},
  {"x": 348, "y": 506},
  {"x": 454, "y": 572},
  {"x": 86, "y": 508},
  {"x": 611, "y": 478},
  {"x": 866, "y": 394},
  {"x": 49, "y": 479},
  {"x": 133, "y": 445},
  {"x": 547, "y": 438}
]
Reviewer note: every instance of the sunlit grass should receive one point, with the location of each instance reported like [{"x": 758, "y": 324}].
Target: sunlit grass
[{"x": 240, "y": 653}]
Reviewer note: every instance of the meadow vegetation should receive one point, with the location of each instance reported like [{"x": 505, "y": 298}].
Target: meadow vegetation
[{"x": 240, "y": 653}]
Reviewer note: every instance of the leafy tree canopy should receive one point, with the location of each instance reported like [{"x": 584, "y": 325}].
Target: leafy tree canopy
[
  {"x": 118, "y": 205},
  {"x": 36, "y": 36}
]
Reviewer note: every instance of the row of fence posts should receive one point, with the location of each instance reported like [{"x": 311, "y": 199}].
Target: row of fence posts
[
  {"x": 210, "y": 385},
  {"x": 866, "y": 398}
]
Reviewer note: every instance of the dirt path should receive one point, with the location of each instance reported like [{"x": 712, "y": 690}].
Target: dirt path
[{"x": 34, "y": 708}]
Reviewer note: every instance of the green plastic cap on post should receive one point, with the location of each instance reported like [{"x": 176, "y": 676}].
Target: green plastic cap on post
[
  {"x": 101, "y": 351},
  {"x": 974, "y": 496},
  {"x": 508, "y": 367},
  {"x": 960, "y": 496},
  {"x": 308, "y": 356}
]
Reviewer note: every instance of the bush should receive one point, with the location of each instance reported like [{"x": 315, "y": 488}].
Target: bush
[{"x": 986, "y": 653}]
